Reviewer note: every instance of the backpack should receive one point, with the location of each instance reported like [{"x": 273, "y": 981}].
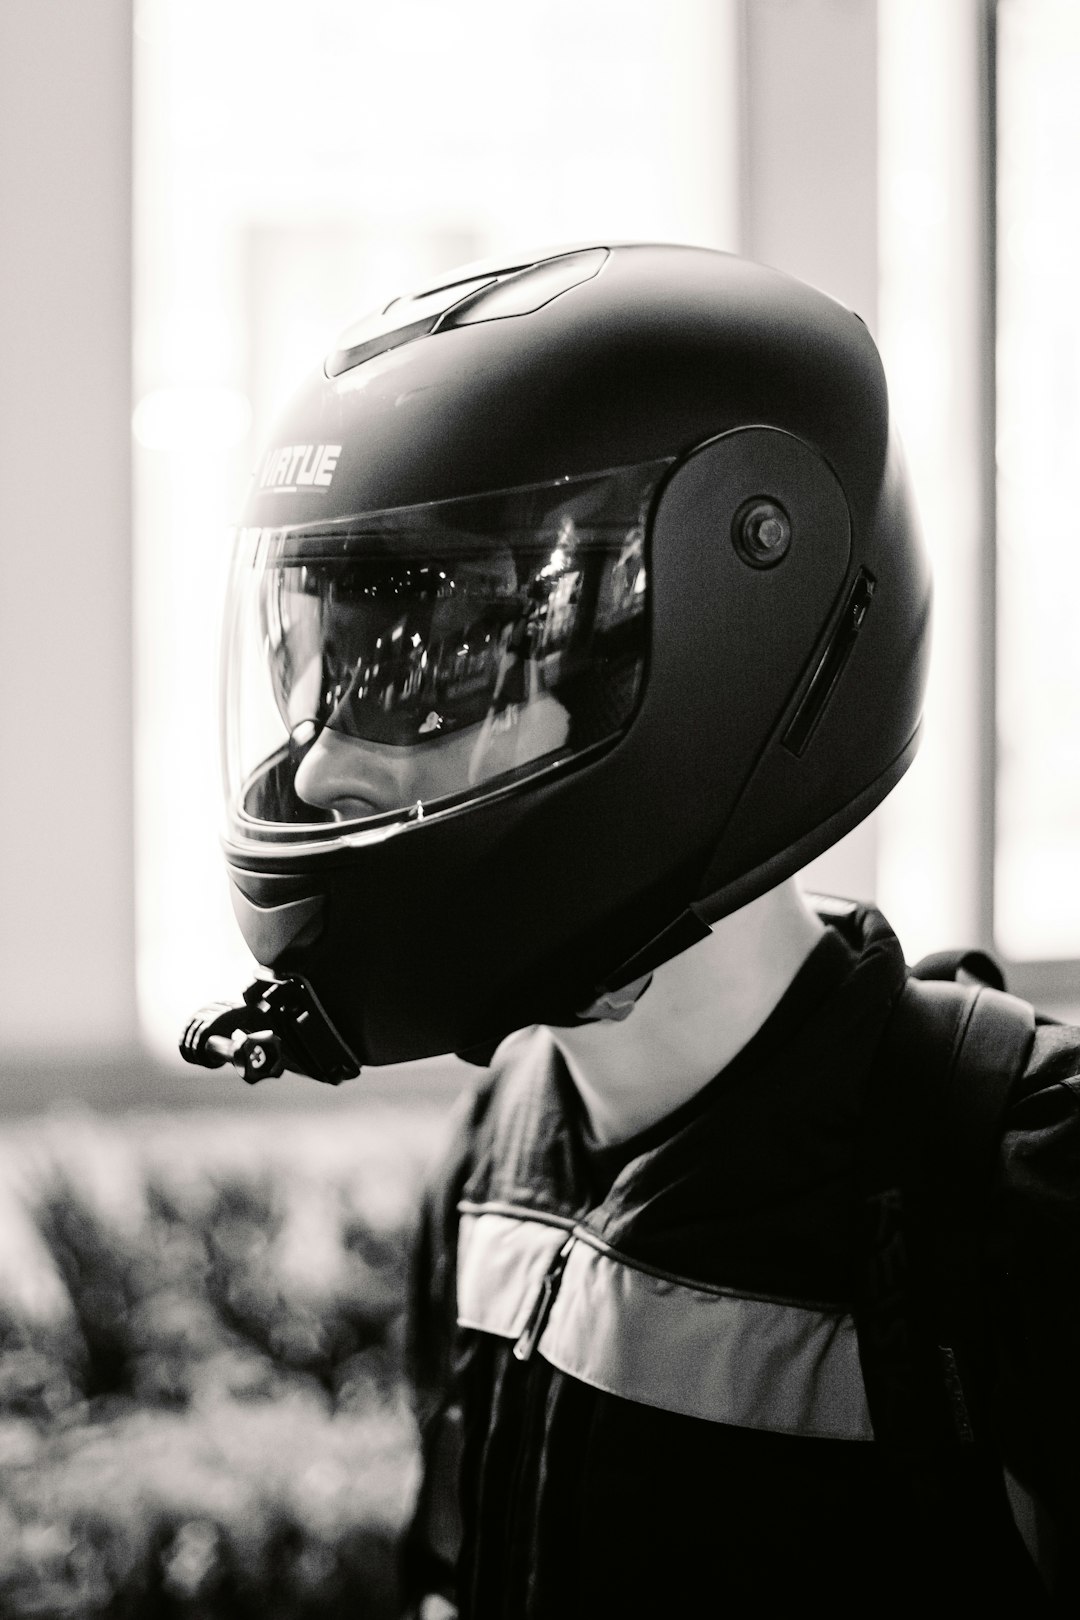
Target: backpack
[{"x": 953, "y": 1049}]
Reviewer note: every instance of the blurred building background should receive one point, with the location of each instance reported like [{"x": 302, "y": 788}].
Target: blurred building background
[
  {"x": 202, "y": 1398},
  {"x": 196, "y": 196}
]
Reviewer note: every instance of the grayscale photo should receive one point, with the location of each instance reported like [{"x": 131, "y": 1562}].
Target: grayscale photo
[{"x": 540, "y": 1002}]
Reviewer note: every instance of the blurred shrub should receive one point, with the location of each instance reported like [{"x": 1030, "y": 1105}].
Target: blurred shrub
[{"x": 211, "y": 1419}]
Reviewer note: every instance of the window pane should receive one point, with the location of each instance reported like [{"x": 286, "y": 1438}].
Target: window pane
[{"x": 1038, "y": 362}]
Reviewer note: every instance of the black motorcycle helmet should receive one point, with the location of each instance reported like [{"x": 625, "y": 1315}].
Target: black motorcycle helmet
[{"x": 577, "y": 602}]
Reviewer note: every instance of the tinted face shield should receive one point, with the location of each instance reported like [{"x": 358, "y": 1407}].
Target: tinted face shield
[{"x": 398, "y": 663}]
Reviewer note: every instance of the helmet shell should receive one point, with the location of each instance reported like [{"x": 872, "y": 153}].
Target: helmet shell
[{"x": 451, "y": 931}]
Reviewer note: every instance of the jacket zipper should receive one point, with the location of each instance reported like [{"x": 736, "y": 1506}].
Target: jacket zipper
[
  {"x": 521, "y": 1501},
  {"x": 545, "y": 1299}
]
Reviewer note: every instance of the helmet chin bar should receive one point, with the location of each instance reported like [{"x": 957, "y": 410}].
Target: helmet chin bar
[{"x": 280, "y": 1024}]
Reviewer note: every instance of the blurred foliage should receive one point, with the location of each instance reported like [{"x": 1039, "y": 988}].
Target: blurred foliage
[{"x": 202, "y": 1400}]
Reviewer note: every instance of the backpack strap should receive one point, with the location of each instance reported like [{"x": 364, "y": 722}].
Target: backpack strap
[
  {"x": 932, "y": 1125},
  {"x": 963, "y": 967},
  {"x": 991, "y": 1048},
  {"x": 991, "y": 1052}
]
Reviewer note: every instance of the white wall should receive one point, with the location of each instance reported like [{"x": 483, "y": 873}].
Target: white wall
[{"x": 66, "y": 947}]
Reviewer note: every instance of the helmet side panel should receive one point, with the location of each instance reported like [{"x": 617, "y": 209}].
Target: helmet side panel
[{"x": 794, "y": 807}]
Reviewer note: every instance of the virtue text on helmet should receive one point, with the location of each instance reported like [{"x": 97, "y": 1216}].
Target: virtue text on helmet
[{"x": 295, "y": 466}]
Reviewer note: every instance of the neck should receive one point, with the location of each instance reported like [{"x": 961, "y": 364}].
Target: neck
[{"x": 700, "y": 1009}]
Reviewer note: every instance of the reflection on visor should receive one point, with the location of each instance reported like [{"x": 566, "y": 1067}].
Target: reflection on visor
[
  {"x": 419, "y": 655},
  {"x": 392, "y": 653}
]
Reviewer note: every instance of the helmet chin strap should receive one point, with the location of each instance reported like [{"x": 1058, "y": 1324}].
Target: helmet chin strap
[
  {"x": 617, "y": 998},
  {"x": 632, "y": 977},
  {"x": 614, "y": 1005}
]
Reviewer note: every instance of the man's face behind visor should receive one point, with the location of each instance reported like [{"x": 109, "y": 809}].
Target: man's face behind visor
[
  {"x": 415, "y": 660},
  {"x": 428, "y": 683}
]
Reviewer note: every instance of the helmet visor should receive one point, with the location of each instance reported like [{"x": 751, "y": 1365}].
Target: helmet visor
[{"x": 414, "y": 658}]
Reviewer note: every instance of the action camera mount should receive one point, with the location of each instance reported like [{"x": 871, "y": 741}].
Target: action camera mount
[{"x": 280, "y": 1024}]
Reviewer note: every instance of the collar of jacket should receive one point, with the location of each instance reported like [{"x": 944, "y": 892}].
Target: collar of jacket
[
  {"x": 794, "y": 1094},
  {"x": 716, "y": 1277}
]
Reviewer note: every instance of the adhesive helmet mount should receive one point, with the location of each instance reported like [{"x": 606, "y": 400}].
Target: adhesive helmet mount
[{"x": 577, "y": 601}]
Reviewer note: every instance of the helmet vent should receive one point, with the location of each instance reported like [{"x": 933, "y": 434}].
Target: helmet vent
[
  {"x": 830, "y": 666},
  {"x": 516, "y": 290}
]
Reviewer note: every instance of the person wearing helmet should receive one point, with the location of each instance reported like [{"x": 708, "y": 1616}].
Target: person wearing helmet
[{"x": 578, "y": 604}]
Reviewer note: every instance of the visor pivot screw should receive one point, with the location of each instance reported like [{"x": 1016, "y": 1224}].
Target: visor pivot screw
[{"x": 761, "y": 531}]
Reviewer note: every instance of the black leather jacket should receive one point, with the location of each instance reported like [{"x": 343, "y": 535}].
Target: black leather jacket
[{"x": 638, "y": 1375}]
